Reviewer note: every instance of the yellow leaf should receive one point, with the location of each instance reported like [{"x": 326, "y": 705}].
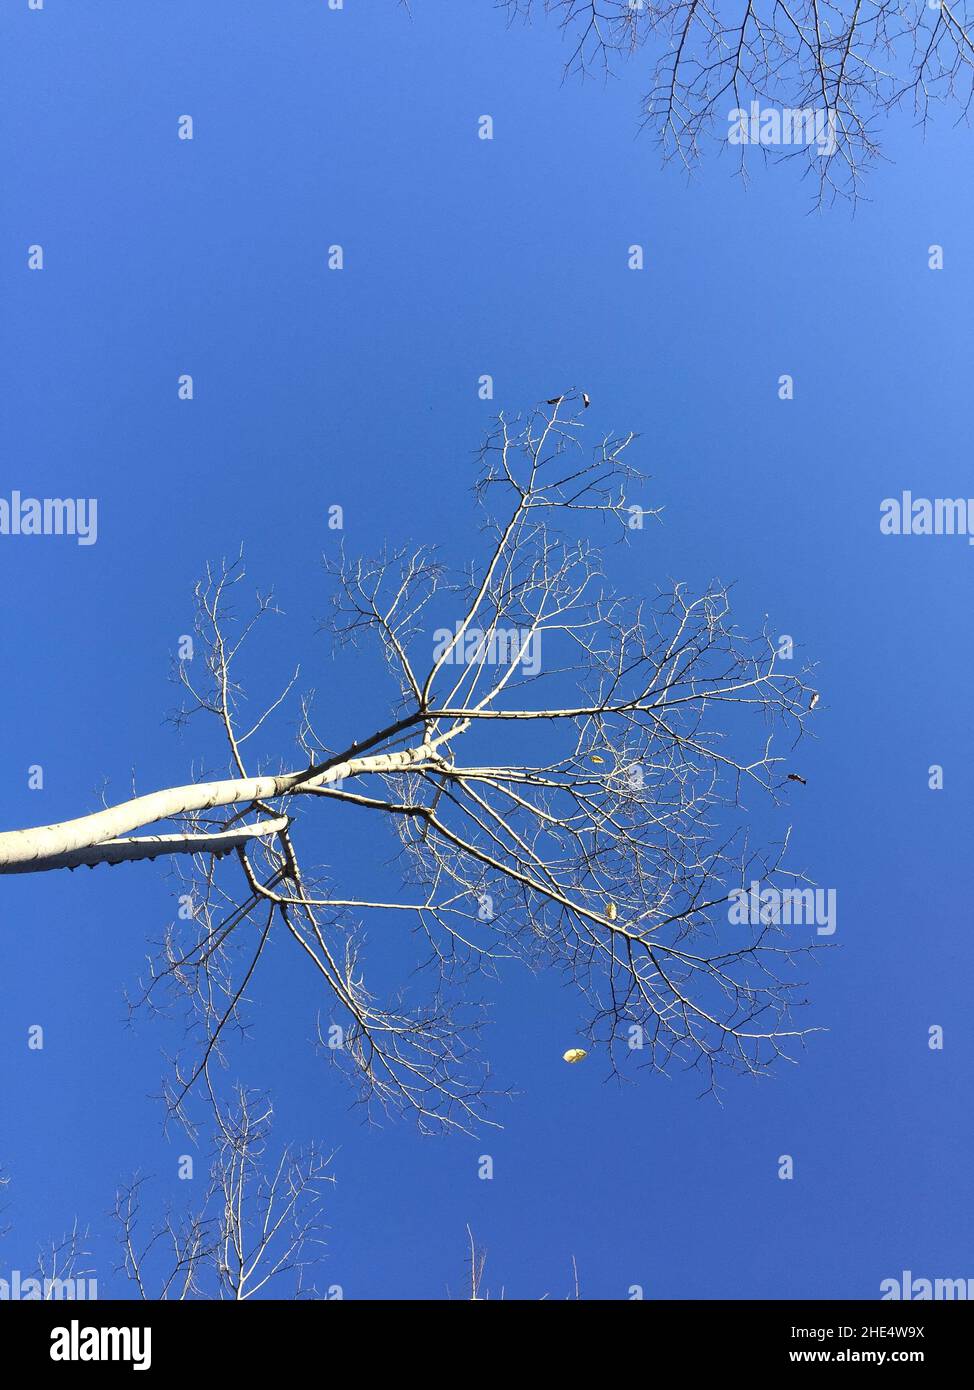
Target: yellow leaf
[
  {"x": 596, "y": 759},
  {"x": 574, "y": 1054},
  {"x": 611, "y": 911}
]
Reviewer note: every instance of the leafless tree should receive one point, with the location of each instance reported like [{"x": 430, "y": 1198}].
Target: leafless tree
[
  {"x": 857, "y": 61},
  {"x": 62, "y": 1264},
  {"x": 477, "y": 1261},
  {"x": 584, "y": 812},
  {"x": 257, "y": 1231}
]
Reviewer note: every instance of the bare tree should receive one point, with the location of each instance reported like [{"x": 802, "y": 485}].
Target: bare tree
[
  {"x": 564, "y": 774},
  {"x": 258, "y": 1229},
  {"x": 854, "y": 61},
  {"x": 62, "y": 1265},
  {"x": 477, "y": 1261}
]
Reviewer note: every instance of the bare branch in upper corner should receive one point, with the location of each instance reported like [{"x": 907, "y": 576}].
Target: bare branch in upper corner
[{"x": 813, "y": 82}]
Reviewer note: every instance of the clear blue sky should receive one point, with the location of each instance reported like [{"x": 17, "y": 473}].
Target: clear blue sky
[{"x": 465, "y": 257}]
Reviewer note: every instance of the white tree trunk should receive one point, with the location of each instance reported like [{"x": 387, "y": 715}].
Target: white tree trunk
[
  {"x": 52, "y": 846},
  {"x": 221, "y": 842}
]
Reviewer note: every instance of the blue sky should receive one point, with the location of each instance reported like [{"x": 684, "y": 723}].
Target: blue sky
[{"x": 311, "y": 387}]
